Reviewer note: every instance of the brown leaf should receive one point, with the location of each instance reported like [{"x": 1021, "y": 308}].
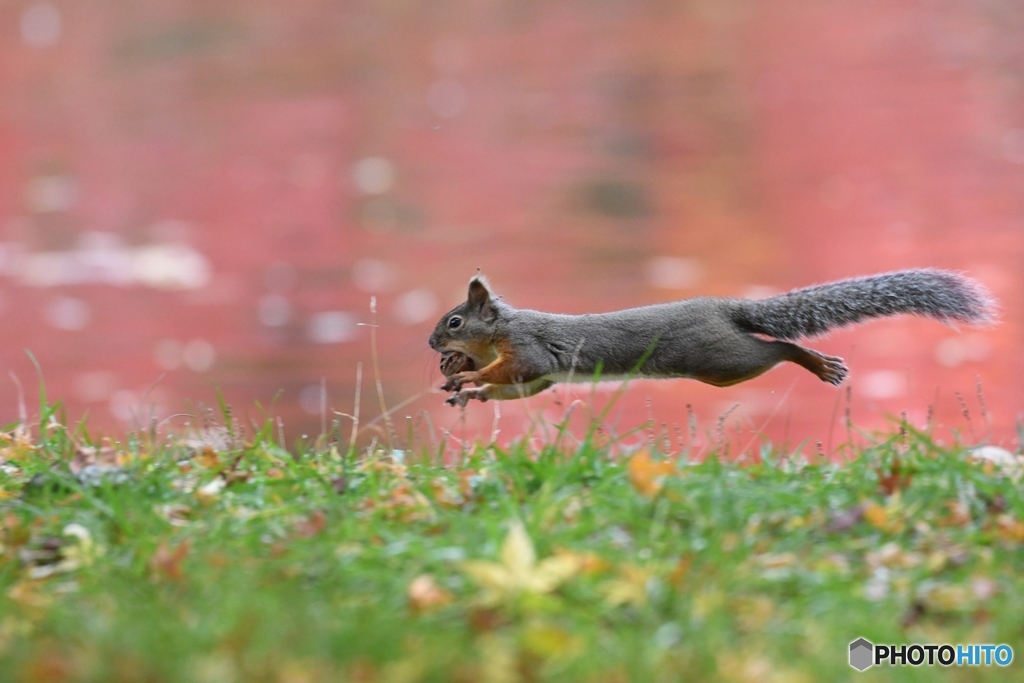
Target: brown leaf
[
  {"x": 1009, "y": 529},
  {"x": 48, "y": 666},
  {"x": 208, "y": 458},
  {"x": 913, "y": 614},
  {"x": 235, "y": 476},
  {"x": 483, "y": 619},
  {"x": 313, "y": 525},
  {"x": 897, "y": 479},
  {"x": 958, "y": 514},
  {"x": 444, "y": 495},
  {"x": 165, "y": 563},
  {"x": 425, "y": 594},
  {"x": 681, "y": 571},
  {"x": 12, "y": 532}
]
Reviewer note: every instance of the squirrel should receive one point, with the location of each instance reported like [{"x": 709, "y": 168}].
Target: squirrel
[{"x": 510, "y": 353}]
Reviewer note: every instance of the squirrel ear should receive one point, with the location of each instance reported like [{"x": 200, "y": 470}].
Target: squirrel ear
[{"x": 479, "y": 297}]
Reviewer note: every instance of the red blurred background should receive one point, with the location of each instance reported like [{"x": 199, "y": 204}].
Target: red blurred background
[{"x": 204, "y": 197}]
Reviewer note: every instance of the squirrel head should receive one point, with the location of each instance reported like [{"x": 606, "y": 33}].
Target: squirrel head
[{"x": 469, "y": 326}]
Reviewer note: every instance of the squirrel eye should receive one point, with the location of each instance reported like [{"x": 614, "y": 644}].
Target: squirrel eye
[{"x": 454, "y": 322}]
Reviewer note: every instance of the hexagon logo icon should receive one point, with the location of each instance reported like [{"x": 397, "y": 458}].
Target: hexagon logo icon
[{"x": 861, "y": 651}]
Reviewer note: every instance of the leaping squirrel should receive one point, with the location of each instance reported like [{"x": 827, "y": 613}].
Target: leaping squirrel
[{"x": 510, "y": 353}]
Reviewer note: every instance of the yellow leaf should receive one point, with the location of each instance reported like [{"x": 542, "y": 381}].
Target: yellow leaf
[
  {"x": 776, "y": 560},
  {"x": 488, "y": 574},
  {"x": 1009, "y": 529},
  {"x": 552, "y": 572},
  {"x": 876, "y": 516},
  {"x": 630, "y": 588},
  {"x": 889, "y": 518},
  {"x": 497, "y": 660},
  {"x": 646, "y": 475},
  {"x": 949, "y": 598},
  {"x": 517, "y": 552},
  {"x": 208, "y": 458},
  {"x": 753, "y": 612},
  {"x": 518, "y": 571},
  {"x": 546, "y": 641}
]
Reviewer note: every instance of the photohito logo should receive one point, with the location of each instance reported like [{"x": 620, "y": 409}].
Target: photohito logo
[{"x": 865, "y": 654}]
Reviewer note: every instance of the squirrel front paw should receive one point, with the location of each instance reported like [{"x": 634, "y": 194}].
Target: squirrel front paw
[
  {"x": 456, "y": 381},
  {"x": 461, "y": 398}
]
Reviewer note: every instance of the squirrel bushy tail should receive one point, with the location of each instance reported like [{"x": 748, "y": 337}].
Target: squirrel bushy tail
[{"x": 811, "y": 311}]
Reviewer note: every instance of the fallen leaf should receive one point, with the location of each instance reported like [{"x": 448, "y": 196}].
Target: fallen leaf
[
  {"x": 165, "y": 563},
  {"x": 547, "y": 641},
  {"x": 753, "y": 613},
  {"x": 898, "y": 478},
  {"x": 590, "y": 563},
  {"x": 629, "y": 588},
  {"x": 776, "y": 560},
  {"x": 518, "y": 571},
  {"x": 913, "y": 614},
  {"x": 444, "y": 495},
  {"x": 312, "y": 525},
  {"x": 498, "y": 660},
  {"x": 208, "y": 492},
  {"x": 888, "y": 518},
  {"x": 16, "y": 444},
  {"x": 1009, "y": 529},
  {"x": 468, "y": 480},
  {"x": 647, "y": 475},
  {"x": 945, "y": 597},
  {"x": 681, "y": 571},
  {"x": 74, "y": 549},
  {"x": 893, "y": 556},
  {"x": 425, "y": 594},
  {"x": 484, "y": 619},
  {"x": 208, "y": 458},
  {"x": 995, "y": 459},
  {"x": 957, "y": 514},
  {"x": 28, "y": 593}
]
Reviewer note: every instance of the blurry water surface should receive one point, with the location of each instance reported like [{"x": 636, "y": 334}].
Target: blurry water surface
[{"x": 204, "y": 198}]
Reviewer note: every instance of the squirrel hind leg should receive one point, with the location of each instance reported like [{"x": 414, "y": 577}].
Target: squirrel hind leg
[{"x": 831, "y": 369}]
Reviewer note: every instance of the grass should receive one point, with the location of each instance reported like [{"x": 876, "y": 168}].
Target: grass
[{"x": 223, "y": 557}]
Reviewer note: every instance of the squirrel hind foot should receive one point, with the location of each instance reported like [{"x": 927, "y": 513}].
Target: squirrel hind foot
[{"x": 831, "y": 369}]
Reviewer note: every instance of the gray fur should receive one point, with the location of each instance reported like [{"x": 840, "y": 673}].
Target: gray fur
[
  {"x": 714, "y": 340},
  {"x": 812, "y": 311},
  {"x": 666, "y": 338}
]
